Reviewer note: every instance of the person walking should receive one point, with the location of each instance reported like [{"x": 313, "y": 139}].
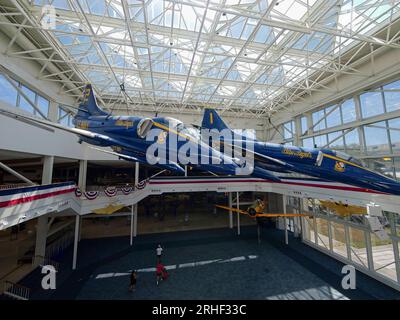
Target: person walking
[
  {"x": 159, "y": 251},
  {"x": 132, "y": 286},
  {"x": 161, "y": 272}
]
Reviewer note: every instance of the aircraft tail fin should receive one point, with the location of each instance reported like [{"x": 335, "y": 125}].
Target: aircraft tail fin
[
  {"x": 89, "y": 106},
  {"x": 211, "y": 120}
]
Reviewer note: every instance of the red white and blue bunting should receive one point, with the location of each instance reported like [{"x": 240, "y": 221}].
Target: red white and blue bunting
[
  {"x": 126, "y": 190},
  {"x": 91, "y": 195},
  {"x": 142, "y": 184},
  {"x": 78, "y": 192},
  {"x": 110, "y": 191}
]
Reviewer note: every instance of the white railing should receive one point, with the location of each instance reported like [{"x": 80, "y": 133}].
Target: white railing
[
  {"x": 14, "y": 186},
  {"x": 59, "y": 245},
  {"x": 16, "y": 291}
]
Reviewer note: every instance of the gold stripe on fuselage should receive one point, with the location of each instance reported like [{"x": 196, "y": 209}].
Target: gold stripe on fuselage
[{"x": 161, "y": 126}]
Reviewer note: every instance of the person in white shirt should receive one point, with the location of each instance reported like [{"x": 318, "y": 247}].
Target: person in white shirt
[{"x": 159, "y": 251}]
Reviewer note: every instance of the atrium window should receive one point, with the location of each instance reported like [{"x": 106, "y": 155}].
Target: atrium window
[
  {"x": 304, "y": 125},
  {"x": 64, "y": 117},
  {"x": 8, "y": 93},
  {"x": 392, "y": 96},
  {"x": 320, "y": 141},
  {"x": 396, "y": 165},
  {"x": 394, "y": 130},
  {"x": 24, "y": 103},
  {"x": 382, "y": 165},
  {"x": 371, "y": 104},
  {"x": 333, "y": 118},
  {"x": 336, "y": 140},
  {"x": 288, "y": 130},
  {"x": 376, "y": 138},
  {"x": 348, "y": 111},
  {"x": 308, "y": 143},
  {"x": 318, "y": 120},
  {"x": 43, "y": 105},
  {"x": 352, "y": 142}
]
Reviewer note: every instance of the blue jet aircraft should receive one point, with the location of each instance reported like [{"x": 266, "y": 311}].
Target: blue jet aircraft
[
  {"x": 321, "y": 163},
  {"x": 128, "y": 138}
]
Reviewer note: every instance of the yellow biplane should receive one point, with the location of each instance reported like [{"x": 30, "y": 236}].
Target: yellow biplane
[{"x": 257, "y": 211}]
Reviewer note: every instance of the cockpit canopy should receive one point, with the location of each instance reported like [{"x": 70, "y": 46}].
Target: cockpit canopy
[
  {"x": 180, "y": 127},
  {"x": 349, "y": 158}
]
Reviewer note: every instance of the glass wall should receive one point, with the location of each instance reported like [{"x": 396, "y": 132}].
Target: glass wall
[
  {"x": 289, "y": 130},
  {"x": 350, "y": 238},
  {"x": 374, "y": 138},
  {"x": 371, "y": 104},
  {"x": 65, "y": 117},
  {"x": 339, "y": 244},
  {"x": 334, "y": 115},
  {"x": 10, "y": 95}
]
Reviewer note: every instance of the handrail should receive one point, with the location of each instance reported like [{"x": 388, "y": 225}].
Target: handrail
[
  {"x": 44, "y": 261},
  {"x": 59, "y": 245},
  {"x": 16, "y": 291},
  {"x": 13, "y": 186}
]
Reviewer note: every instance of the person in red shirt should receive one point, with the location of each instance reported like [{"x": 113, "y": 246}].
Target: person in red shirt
[{"x": 161, "y": 272}]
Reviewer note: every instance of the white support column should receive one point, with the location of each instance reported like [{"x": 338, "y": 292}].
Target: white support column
[
  {"x": 82, "y": 175},
  {"x": 82, "y": 186},
  {"x": 134, "y": 208},
  {"x": 348, "y": 240},
  {"x": 230, "y": 211},
  {"x": 131, "y": 234},
  {"x": 368, "y": 243},
  {"x": 53, "y": 111},
  {"x": 285, "y": 219},
  {"x": 185, "y": 171},
  {"x": 238, "y": 214},
  {"x": 42, "y": 222},
  {"x": 80, "y": 227},
  {"x": 135, "y": 217},
  {"x": 47, "y": 174},
  {"x": 76, "y": 238}
]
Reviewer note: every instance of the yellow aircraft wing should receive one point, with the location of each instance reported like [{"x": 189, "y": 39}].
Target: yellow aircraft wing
[
  {"x": 265, "y": 215},
  {"x": 342, "y": 209},
  {"x": 108, "y": 210},
  {"x": 232, "y": 209}
]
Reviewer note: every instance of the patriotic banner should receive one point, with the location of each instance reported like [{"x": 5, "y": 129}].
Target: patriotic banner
[
  {"x": 142, "y": 184},
  {"x": 78, "y": 192},
  {"x": 126, "y": 190},
  {"x": 91, "y": 195},
  {"x": 110, "y": 191}
]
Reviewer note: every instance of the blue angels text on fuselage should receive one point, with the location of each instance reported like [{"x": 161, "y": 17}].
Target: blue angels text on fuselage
[{"x": 321, "y": 163}]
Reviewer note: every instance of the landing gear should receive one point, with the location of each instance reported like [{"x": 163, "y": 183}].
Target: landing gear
[{"x": 252, "y": 212}]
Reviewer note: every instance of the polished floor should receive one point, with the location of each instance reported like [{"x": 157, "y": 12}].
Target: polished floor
[{"x": 206, "y": 264}]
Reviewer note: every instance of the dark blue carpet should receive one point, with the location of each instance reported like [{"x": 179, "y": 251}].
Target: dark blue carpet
[{"x": 270, "y": 270}]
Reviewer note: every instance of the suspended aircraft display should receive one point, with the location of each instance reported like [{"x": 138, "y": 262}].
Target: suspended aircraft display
[
  {"x": 159, "y": 141},
  {"x": 322, "y": 163}
]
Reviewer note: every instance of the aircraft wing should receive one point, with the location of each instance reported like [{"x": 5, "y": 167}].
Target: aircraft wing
[
  {"x": 123, "y": 156},
  {"x": 172, "y": 166},
  {"x": 232, "y": 209},
  {"x": 272, "y": 215},
  {"x": 265, "y": 215},
  {"x": 262, "y": 156},
  {"x": 80, "y": 132}
]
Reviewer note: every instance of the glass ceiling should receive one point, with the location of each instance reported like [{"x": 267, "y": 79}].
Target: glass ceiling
[{"x": 236, "y": 54}]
